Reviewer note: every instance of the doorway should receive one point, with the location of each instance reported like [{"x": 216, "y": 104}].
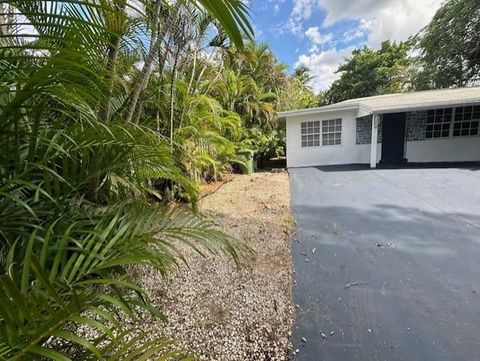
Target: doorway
[{"x": 393, "y": 138}]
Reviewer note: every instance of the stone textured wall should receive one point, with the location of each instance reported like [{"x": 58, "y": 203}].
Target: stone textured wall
[
  {"x": 364, "y": 130},
  {"x": 416, "y": 122}
]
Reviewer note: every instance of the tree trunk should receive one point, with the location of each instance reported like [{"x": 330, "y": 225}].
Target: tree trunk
[
  {"x": 194, "y": 69},
  {"x": 190, "y": 83},
  {"x": 159, "y": 93},
  {"x": 112, "y": 59},
  {"x": 172, "y": 94},
  {"x": 161, "y": 66},
  {"x": 146, "y": 71}
]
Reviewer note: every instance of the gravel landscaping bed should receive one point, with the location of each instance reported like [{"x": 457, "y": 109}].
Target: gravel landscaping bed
[{"x": 222, "y": 312}]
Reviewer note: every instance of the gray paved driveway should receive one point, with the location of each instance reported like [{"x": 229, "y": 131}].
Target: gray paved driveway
[{"x": 408, "y": 243}]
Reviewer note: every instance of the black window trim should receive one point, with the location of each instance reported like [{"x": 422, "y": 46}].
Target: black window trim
[{"x": 452, "y": 123}]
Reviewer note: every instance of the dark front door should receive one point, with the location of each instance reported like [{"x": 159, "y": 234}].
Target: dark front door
[{"x": 393, "y": 138}]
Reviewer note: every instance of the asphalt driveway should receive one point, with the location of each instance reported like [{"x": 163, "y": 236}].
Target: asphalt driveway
[{"x": 387, "y": 264}]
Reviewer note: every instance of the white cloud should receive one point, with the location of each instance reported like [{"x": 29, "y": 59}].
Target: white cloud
[
  {"x": 378, "y": 20},
  {"x": 317, "y": 38},
  {"x": 272, "y": 5},
  {"x": 384, "y": 19},
  {"x": 355, "y": 33},
  {"x": 301, "y": 11},
  {"x": 400, "y": 21},
  {"x": 323, "y": 66},
  {"x": 347, "y": 9}
]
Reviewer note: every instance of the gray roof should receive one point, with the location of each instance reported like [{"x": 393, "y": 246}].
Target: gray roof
[{"x": 399, "y": 102}]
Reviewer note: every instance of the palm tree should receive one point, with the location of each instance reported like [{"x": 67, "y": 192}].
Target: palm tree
[
  {"x": 250, "y": 84},
  {"x": 232, "y": 16},
  {"x": 302, "y": 73},
  {"x": 75, "y": 198}
]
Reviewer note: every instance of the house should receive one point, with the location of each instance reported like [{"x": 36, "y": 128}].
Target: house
[{"x": 427, "y": 126}]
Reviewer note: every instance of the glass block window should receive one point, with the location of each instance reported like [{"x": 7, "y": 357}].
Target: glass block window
[
  {"x": 438, "y": 123},
  {"x": 332, "y": 132},
  {"x": 466, "y": 121},
  {"x": 310, "y": 134}
]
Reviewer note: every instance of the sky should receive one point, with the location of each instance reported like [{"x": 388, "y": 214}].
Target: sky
[{"x": 322, "y": 33}]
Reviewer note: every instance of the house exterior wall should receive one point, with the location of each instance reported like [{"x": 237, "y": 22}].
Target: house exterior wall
[
  {"x": 461, "y": 149},
  {"x": 364, "y": 130},
  {"x": 453, "y": 149},
  {"x": 416, "y": 123},
  {"x": 356, "y": 139},
  {"x": 346, "y": 153}
]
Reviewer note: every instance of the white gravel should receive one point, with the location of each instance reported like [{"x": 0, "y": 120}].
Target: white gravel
[{"x": 222, "y": 312}]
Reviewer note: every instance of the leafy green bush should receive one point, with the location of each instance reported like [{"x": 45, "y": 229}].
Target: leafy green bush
[{"x": 75, "y": 184}]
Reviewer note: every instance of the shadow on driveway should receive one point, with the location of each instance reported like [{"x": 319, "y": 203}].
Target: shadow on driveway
[{"x": 383, "y": 281}]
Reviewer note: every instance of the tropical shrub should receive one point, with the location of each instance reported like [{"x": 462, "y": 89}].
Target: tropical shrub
[{"x": 76, "y": 169}]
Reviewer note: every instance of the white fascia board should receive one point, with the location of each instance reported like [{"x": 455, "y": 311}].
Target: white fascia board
[
  {"x": 426, "y": 106},
  {"x": 326, "y": 109},
  {"x": 364, "y": 110}
]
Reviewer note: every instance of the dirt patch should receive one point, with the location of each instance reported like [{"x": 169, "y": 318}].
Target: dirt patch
[
  {"x": 225, "y": 313},
  {"x": 212, "y": 187}
]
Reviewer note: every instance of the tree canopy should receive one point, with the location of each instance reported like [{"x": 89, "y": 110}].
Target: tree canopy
[
  {"x": 446, "y": 53},
  {"x": 450, "y": 46},
  {"x": 372, "y": 72}
]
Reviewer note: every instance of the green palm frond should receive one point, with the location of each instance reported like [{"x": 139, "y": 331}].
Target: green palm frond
[
  {"x": 76, "y": 188},
  {"x": 52, "y": 279}
]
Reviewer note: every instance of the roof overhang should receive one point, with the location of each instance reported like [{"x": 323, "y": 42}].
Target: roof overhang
[
  {"x": 363, "y": 110},
  {"x": 425, "y": 106},
  {"x": 324, "y": 110}
]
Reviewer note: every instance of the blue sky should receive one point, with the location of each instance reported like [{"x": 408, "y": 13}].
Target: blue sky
[{"x": 321, "y": 33}]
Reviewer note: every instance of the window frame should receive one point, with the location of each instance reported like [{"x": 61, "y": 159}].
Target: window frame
[
  {"x": 312, "y": 131},
  {"x": 474, "y": 109},
  {"x": 475, "y": 117},
  {"x": 334, "y": 132},
  {"x": 439, "y": 122}
]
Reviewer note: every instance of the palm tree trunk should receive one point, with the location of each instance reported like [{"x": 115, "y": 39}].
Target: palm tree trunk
[
  {"x": 209, "y": 59},
  {"x": 146, "y": 72},
  {"x": 112, "y": 59},
  {"x": 172, "y": 94},
  {"x": 159, "y": 94},
  {"x": 193, "y": 71},
  {"x": 161, "y": 66},
  {"x": 190, "y": 83}
]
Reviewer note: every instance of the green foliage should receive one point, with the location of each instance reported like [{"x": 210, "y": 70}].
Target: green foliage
[
  {"x": 450, "y": 46},
  {"x": 297, "y": 95},
  {"x": 372, "y": 72},
  {"x": 252, "y": 85},
  {"x": 209, "y": 136},
  {"x": 302, "y": 74},
  {"x": 232, "y": 16},
  {"x": 76, "y": 195},
  {"x": 70, "y": 273}
]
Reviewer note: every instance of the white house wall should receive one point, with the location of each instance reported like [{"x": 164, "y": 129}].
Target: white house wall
[
  {"x": 460, "y": 149},
  {"x": 346, "y": 153}
]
